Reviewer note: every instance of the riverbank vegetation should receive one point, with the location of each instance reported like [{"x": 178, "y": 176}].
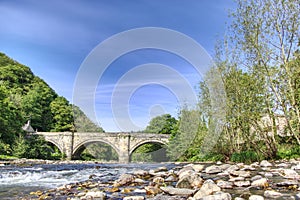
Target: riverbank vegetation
[
  {"x": 23, "y": 97},
  {"x": 259, "y": 62}
]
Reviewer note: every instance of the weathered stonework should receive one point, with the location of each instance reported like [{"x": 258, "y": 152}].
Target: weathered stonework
[{"x": 123, "y": 143}]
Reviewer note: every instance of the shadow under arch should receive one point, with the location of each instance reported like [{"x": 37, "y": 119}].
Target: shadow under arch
[
  {"x": 80, "y": 148},
  {"x": 149, "y": 151}
]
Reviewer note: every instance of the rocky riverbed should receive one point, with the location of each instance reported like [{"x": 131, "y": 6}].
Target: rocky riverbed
[{"x": 206, "y": 181}]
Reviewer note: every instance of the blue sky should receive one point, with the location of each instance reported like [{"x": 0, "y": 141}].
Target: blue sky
[{"x": 54, "y": 38}]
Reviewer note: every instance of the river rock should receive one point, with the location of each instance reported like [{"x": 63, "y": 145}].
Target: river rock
[
  {"x": 159, "y": 169},
  {"x": 256, "y": 177},
  {"x": 171, "y": 178},
  {"x": 265, "y": 163},
  {"x": 97, "y": 194},
  {"x": 283, "y": 165},
  {"x": 238, "y": 198},
  {"x": 218, "y": 196},
  {"x": 244, "y": 174},
  {"x": 287, "y": 183},
  {"x": 296, "y": 167},
  {"x": 256, "y": 197},
  {"x": 140, "y": 173},
  {"x": 139, "y": 191},
  {"x": 198, "y": 167},
  {"x": 177, "y": 191},
  {"x": 166, "y": 197},
  {"x": 186, "y": 172},
  {"x": 248, "y": 168},
  {"x": 224, "y": 184},
  {"x": 190, "y": 181},
  {"x": 272, "y": 194},
  {"x": 234, "y": 179},
  {"x": 290, "y": 174},
  {"x": 134, "y": 198},
  {"x": 232, "y": 168},
  {"x": 152, "y": 190},
  {"x": 242, "y": 183},
  {"x": 208, "y": 188},
  {"x": 263, "y": 182},
  {"x": 139, "y": 181},
  {"x": 184, "y": 182},
  {"x": 158, "y": 180},
  {"x": 214, "y": 169},
  {"x": 124, "y": 179}
]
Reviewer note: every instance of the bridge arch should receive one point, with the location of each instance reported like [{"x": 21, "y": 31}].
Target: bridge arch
[
  {"x": 145, "y": 142},
  {"x": 91, "y": 141},
  {"x": 55, "y": 144}
]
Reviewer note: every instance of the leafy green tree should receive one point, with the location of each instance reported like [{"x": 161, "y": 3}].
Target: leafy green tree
[
  {"x": 62, "y": 114},
  {"x": 265, "y": 35},
  {"x": 187, "y": 132},
  {"x": 36, "y": 105},
  {"x": 164, "y": 124},
  {"x": 10, "y": 118}
]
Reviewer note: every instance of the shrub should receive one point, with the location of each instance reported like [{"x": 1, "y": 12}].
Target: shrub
[{"x": 245, "y": 157}]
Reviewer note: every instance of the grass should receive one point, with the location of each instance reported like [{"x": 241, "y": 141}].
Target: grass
[{"x": 6, "y": 157}]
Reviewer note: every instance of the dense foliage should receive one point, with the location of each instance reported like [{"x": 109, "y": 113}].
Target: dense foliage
[
  {"x": 259, "y": 63},
  {"x": 24, "y": 96}
]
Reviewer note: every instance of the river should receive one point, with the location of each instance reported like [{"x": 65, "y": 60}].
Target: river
[{"x": 16, "y": 181}]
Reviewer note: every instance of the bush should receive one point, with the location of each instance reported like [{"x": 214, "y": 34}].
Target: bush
[
  {"x": 214, "y": 157},
  {"x": 4, "y": 148},
  {"x": 288, "y": 152},
  {"x": 245, "y": 157}
]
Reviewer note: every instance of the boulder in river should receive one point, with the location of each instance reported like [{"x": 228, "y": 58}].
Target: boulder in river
[
  {"x": 256, "y": 197},
  {"x": 177, "y": 191},
  {"x": 125, "y": 179},
  {"x": 208, "y": 188},
  {"x": 218, "y": 196},
  {"x": 214, "y": 169},
  {"x": 262, "y": 182},
  {"x": 265, "y": 163},
  {"x": 272, "y": 194}
]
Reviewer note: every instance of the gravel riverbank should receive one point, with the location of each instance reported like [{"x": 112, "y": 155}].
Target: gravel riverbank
[{"x": 207, "y": 181}]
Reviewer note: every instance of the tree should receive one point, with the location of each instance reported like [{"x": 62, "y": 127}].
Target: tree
[
  {"x": 187, "y": 133},
  {"x": 266, "y": 35},
  {"x": 36, "y": 105},
  {"x": 164, "y": 124},
  {"x": 62, "y": 114}
]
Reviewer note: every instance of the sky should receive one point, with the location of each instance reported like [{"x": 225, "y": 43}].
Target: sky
[{"x": 122, "y": 62}]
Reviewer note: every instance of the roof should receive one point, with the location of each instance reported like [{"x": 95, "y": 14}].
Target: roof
[{"x": 28, "y": 128}]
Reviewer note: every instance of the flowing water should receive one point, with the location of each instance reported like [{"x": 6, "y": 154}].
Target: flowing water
[{"x": 16, "y": 182}]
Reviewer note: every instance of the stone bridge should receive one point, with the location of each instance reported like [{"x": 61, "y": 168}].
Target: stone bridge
[{"x": 123, "y": 143}]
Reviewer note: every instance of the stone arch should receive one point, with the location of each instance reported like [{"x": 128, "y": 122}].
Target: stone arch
[
  {"x": 145, "y": 142},
  {"x": 55, "y": 144},
  {"x": 87, "y": 142},
  {"x": 156, "y": 156}
]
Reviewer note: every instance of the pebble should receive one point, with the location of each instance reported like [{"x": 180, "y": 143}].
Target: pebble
[
  {"x": 214, "y": 169},
  {"x": 256, "y": 197},
  {"x": 218, "y": 196},
  {"x": 177, "y": 191},
  {"x": 134, "y": 198},
  {"x": 242, "y": 183},
  {"x": 225, "y": 184},
  {"x": 272, "y": 194},
  {"x": 265, "y": 163}
]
